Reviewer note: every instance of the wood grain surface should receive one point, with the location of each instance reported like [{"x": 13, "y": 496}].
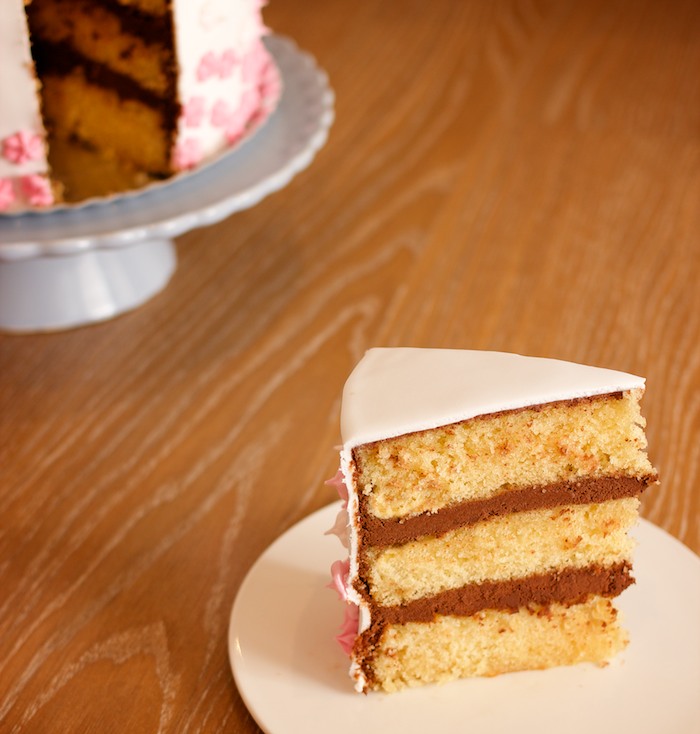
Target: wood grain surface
[{"x": 520, "y": 176}]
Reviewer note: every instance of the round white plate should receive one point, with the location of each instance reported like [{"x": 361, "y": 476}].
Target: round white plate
[{"x": 293, "y": 677}]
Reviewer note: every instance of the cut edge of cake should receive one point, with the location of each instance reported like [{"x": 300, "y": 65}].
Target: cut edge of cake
[
  {"x": 396, "y": 393},
  {"x": 139, "y": 92}
]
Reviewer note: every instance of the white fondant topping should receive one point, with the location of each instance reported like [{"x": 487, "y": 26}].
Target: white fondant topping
[{"x": 396, "y": 391}]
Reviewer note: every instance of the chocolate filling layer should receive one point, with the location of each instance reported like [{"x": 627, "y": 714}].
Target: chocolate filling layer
[
  {"x": 377, "y": 532},
  {"x": 131, "y": 19},
  {"x": 567, "y": 586},
  {"x": 61, "y": 59},
  {"x": 155, "y": 28}
]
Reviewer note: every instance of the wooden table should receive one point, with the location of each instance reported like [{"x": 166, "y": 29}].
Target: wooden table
[{"x": 512, "y": 176}]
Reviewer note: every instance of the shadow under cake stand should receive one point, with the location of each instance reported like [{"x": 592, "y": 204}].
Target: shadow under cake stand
[{"x": 75, "y": 265}]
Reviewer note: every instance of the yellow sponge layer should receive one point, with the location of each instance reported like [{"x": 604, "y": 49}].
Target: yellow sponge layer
[
  {"x": 479, "y": 458},
  {"x": 125, "y": 129},
  {"x": 493, "y": 642},
  {"x": 507, "y": 547},
  {"x": 97, "y": 34}
]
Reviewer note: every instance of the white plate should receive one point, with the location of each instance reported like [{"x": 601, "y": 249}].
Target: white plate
[{"x": 293, "y": 676}]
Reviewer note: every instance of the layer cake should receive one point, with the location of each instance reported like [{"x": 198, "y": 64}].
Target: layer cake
[
  {"x": 488, "y": 499},
  {"x": 152, "y": 86}
]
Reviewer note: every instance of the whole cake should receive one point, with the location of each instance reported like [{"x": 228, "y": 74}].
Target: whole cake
[
  {"x": 488, "y": 502},
  {"x": 152, "y": 86}
]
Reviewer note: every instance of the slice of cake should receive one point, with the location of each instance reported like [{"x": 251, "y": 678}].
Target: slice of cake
[
  {"x": 151, "y": 86},
  {"x": 489, "y": 498}
]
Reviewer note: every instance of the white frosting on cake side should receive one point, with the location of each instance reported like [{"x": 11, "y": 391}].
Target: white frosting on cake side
[
  {"x": 221, "y": 64},
  {"x": 23, "y": 164},
  {"x": 392, "y": 392}
]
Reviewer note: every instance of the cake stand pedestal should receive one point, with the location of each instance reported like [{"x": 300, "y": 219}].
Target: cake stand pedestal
[
  {"x": 47, "y": 293},
  {"x": 77, "y": 265}
]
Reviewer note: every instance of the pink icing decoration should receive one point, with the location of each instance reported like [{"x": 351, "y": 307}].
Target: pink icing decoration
[
  {"x": 339, "y": 575},
  {"x": 208, "y": 66},
  {"x": 233, "y": 134},
  {"x": 235, "y": 121},
  {"x": 253, "y": 63},
  {"x": 187, "y": 154},
  {"x": 239, "y": 121},
  {"x": 37, "y": 189},
  {"x": 21, "y": 147},
  {"x": 221, "y": 113},
  {"x": 7, "y": 194},
  {"x": 221, "y": 65},
  {"x": 348, "y": 631},
  {"x": 340, "y": 528},
  {"x": 193, "y": 112},
  {"x": 340, "y": 570},
  {"x": 226, "y": 63},
  {"x": 271, "y": 85},
  {"x": 339, "y": 483}
]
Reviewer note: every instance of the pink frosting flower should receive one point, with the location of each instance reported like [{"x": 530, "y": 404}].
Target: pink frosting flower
[
  {"x": 250, "y": 101},
  {"x": 339, "y": 576},
  {"x": 221, "y": 113},
  {"x": 238, "y": 122},
  {"x": 341, "y": 528},
  {"x": 254, "y": 63},
  {"x": 7, "y": 194},
  {"x": 271, "y": 86},
  {"x": 208, "y": 66},
  {"x": 193, "y": 111},
  {"x": 218, "y": 65},
  {"x": 339, "y": 483},
  {"x": 187, "y": 154},
  {"x": 349, "y": 629},
  {"x": 23, "y": 146},
  {"x": 37, "y": 189},
  {"x": 234, "y": 120},
  {"x": 227, "y": 62}
]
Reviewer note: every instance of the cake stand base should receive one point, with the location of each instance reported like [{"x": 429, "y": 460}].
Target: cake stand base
[{"x": 65, "y": 291}]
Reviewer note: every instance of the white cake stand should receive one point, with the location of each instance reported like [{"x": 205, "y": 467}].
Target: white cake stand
[{"x": 78, "y": 265}]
